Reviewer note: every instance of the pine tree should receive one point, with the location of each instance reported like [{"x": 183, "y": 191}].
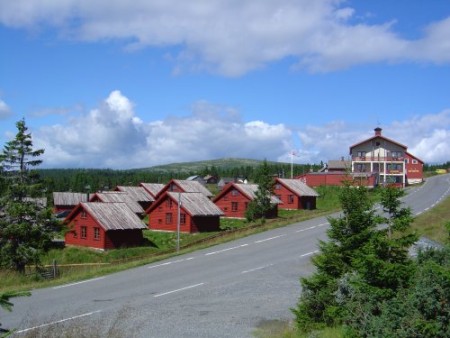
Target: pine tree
[{"x": 24, "y": 218}]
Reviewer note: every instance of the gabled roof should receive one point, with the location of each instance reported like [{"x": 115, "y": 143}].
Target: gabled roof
[
  {"x": 298, "y": 187},
  {"x": 139, "y": 194},
  {"x": 68, "y": 198},
  {"x": 195, "y": 204},
  {"x": 152, "y": 188},
  {"x": 380, "y": 137},
  {"x": 414, "y": 157},
  {"x": 188, "y": 186},
  {"x": 339, "y": 165},
  {"x": 248, "y": 190},
  {"x": 110, "y": 216},
  {"x": 118, "y": 197}
]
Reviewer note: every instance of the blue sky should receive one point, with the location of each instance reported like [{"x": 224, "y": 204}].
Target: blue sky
[{"x": 120, "y": 84}]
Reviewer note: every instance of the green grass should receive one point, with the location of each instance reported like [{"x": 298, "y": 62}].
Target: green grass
[{"x": 431, "y": 224}]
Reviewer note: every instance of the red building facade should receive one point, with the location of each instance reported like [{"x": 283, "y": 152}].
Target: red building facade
[
  {"x": 192, "y": 212},
  {"x": 234, "y": 199},
  {"x": 294, "y": 194},
  {"x": 103, "y": 226}
]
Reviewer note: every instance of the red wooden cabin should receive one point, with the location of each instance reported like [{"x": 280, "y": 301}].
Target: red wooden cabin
[
  {"x": 103, "y": 226},
  {"x": 234, "y": 198},
  {"x": 197, "y": 213},
  {"x": 118, "y": 197},
  {"x": 65, "y": 202},
  {"x": 138, "y": 194},
  {"x": 294, "y": 194}
]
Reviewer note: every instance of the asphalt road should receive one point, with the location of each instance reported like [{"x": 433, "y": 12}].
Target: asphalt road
[{"x": 224, "y": 291}]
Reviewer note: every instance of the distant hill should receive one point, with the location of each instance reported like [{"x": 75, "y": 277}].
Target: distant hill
[{"x": 190, "y": 167}]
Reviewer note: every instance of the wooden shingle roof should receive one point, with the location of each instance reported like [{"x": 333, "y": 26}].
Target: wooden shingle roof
[
  {"x": 153, "y": 188},
  {"x": 298, "y": 187},
  {"x": 139, "y": 194},
  {"x": 196, "y": 204},
  {"x": 119, "y": 197},
  {"x": 193, "y": 186},
  {"x": 68, "y": 198},
  {"x": 250, "y": 191},
  {"x": 111, "y": 216}
]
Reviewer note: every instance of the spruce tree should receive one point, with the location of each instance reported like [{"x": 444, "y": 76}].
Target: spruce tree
[
  {"x": 261, "y": 206},
  {"x": 25, "y": 220},
  {"x": 348, "y": 234}
]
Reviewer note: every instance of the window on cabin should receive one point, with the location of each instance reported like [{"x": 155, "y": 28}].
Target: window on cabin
[
  {"x": 415, "y": 161},
  {"x": 96, "y": 233},
  {"x": 291, "y": 199},
  {"x": 83, "y": 213},
  {"x": 277, "y": 186},
  {"x": 182, "y": 218},
  {"x": 83, "y": 232},
  {"x": 361, "y": 154},
  {"x": 234, "y": 206},
  {"x": 234, "y": 192},
  {"x": 168, "y": 218}
]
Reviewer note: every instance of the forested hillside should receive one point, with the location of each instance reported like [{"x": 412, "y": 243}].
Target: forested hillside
[{"x": 79, "y": 180}]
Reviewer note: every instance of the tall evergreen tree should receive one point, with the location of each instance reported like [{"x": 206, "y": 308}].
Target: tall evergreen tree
[
  {"x": 366, "y": 255},
  {"x": 347, "y": 235},
  {"x": 261, "y": 206},
  {"x": 24, "y": 218}
]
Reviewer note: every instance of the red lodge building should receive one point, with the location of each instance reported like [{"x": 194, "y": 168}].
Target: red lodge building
[{"x": 103, "y": 226}]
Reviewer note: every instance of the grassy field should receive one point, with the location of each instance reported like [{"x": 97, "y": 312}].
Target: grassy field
[{"x": 76, "y": 264}]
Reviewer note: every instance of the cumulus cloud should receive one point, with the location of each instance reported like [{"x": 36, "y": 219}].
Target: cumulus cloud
[
  {"x": 235, "y": 37},
  {"x": 112, "y": 136},
  {"x": 5, "y": 111},
  {"x": 425, "y": 136}
]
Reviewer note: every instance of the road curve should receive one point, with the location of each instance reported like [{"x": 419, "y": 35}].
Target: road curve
[{"x": 223, "y": 291}]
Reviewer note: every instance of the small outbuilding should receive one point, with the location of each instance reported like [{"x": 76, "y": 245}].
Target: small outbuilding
[
  {"x": 193, "y": 212},
  {"x": 234, "y": 199},
  {"x": 103, "y": 226},
  {"x": 294, "y": 194},
  {"x": 65, "y": 202}
]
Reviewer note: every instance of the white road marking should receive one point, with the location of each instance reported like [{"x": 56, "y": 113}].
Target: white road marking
[
  {"x": 309, "y": 253},
  {"x": 224, "y": 250},
  {"x": 77, "y": 283},
  {"x": 171, "y": 262},
  {"x": 323, "y": 224},
  {"x": 256, "y": 269},
  {"x": 58, "y": 321},
  {"x": 269, "y": 239},
  {"x": 178, "y": 290},
  {"x": 301, "y": 230}
]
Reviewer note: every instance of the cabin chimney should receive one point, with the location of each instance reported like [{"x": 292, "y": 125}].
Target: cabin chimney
[{"x": 378, "y": 131}]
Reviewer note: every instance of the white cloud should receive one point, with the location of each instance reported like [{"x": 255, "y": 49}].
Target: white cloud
[
  {"x": 5, "y": 111},
  {"x": 235, "y": 37},
  {"x": 112, "y": 136},
  {"x": 426, "y": 136}
]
